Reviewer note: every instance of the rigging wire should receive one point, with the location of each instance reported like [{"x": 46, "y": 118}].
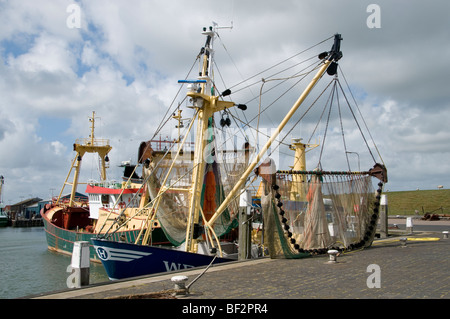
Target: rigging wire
[
  {"x": 335, "y": 94},
  {"x": 281, "y": 62},
  {"x": 326, "y": 127},
  {"x": 163, "y": 123},
  {"x": 223, "y": 82},
  {"x": 290, "y": 88},
  {"x": 283, "y": 80},
  {"x": 228, "y": 111},
  {"x": 357, "y": 123},
  {"x": 243, "y": 113},
  {"x": 270, "y": 78},
  {"x": 342, "y": 127},
  {"x": 359, "y": 111},
  {"x": 142, "y": 185},
  {"x": 275, "y": 74}
]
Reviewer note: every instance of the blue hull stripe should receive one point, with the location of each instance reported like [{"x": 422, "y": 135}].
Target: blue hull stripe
[{"x": 124, "y": 260}]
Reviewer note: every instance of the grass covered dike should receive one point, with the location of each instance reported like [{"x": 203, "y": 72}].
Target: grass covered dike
[{"x": 419, "y": 202}]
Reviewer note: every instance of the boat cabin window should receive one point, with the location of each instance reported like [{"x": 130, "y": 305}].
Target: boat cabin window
[{"x": 105, "y": 199}]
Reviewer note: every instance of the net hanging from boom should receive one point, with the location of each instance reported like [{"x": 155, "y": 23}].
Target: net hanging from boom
[
  {"x": 170, "y": 182},
  {"x": 309, "y": 212}
]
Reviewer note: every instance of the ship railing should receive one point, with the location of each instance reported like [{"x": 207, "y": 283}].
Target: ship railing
[
  {"x": 166, "y": 144},
  {"x": 92, "y": 142},
  {"x": 65, "y": 201},
  {"x": 106, "y": 184}
]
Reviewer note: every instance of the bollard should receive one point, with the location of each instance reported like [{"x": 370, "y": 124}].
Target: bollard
[
  {"x": 409, "y": 225},
  {"x": 403, "y": 241},
  {"x": 384, "y": 217},
  {"x": 245, "y": 226},
  {"x": 180, "y": 284},
  {"x": 445, "y": 233},
  {"x": 333, "y": 256},
  {"x": 80, "y": 265}
]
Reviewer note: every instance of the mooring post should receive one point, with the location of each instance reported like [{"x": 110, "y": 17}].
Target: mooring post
[
  {"x": 332, "y": 253},
  {"x": 180, "y": 284},
  {"x": 245, "y": 203},
  {"x": 409, "y": 225},
  {"x": 403, "y": 241},
  {"x": 80, "y": 263},
  {"x": 383, "y": 217}
]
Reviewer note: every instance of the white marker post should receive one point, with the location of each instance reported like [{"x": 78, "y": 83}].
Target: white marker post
[
  {"x": 409, "y": 225},
  {"x": 245, "y": 204},
  {"x": 384, "y": 217},
  {"x": 80, "y": 264}
]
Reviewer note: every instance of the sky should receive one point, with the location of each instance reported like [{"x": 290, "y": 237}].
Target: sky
[{"x": 62, "y": 59}]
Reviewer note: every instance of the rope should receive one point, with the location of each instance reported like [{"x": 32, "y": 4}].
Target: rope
[
  {"x": 202, "y": 273},
  {"x": 319, "y": 173}
]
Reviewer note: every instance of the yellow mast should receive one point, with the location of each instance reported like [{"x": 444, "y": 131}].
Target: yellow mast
[
  {"x": 206, "y": 104},
  {"x": 297, "y": 190},
  {"x": 180, "y": 124},
  {"x": 83, "y": 146}
]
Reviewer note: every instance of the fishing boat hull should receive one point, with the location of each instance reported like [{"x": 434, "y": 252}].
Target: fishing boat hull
[
  {"x": 61, "y": 240},
  {"x": 122, "y": 260},
  {"x": 65, "y": 225}
]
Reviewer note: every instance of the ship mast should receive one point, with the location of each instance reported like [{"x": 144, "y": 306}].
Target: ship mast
[
  {"x": 299, "y": 181},
  {"x": 83, "y": 146},
  {"x": 206, "y": 104}
]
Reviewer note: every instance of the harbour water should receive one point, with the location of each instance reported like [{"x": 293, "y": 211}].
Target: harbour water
[{"x": 27, "y": 267}]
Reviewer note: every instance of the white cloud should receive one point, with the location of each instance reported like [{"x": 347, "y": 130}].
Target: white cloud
[
  {"x": 125, "y": 60},
  {"x": 49, "y": 54},
  {"x": 58, "y": 147}
]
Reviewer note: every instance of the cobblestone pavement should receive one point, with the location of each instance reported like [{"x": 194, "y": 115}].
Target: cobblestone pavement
[{"x": 419, "y": 270}]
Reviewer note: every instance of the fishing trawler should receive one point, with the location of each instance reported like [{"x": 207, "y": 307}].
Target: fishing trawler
[
  {"x": 68, "y": 219},
  {"x": 200, "y": 198}
]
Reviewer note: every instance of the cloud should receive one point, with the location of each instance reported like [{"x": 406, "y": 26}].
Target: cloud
[{"x": 125, "y": 60}]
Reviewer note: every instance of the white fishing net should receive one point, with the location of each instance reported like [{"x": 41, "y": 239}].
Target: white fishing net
[{"x": 318, "y": 212}]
